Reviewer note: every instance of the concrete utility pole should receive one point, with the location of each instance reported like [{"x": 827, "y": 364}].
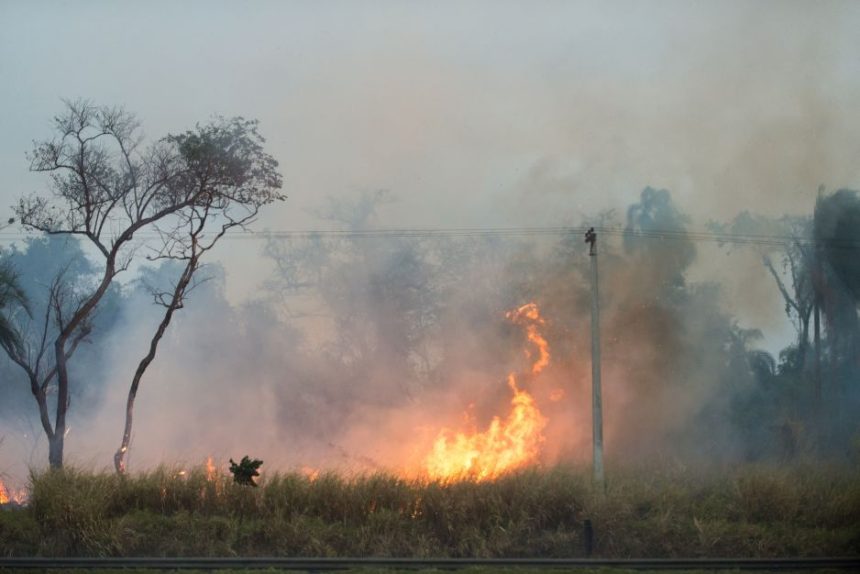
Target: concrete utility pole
[{"x": 596, "y": 399}]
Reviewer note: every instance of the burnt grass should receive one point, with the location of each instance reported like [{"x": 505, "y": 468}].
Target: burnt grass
[{"x": 745, "y": 511}]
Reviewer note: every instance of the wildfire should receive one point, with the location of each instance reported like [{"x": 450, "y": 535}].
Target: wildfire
[
  {"x": 12, "y": 496},
  {"x": 509, "y": 443},
  {"x": 529, "y": 315}
]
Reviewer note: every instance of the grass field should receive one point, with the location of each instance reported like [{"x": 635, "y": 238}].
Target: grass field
[{"x": 751, "y": 511}]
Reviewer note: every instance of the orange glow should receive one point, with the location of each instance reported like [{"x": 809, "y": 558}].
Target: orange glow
[
  {"x": 12, "y": 496},
  {"x": 556, "y": 395},
  {"x": 310, "y": 473},
  {"x": 210, "y": 469},
  {"x": 529, "y": 315},
  {"x": 508, "y": 443}
]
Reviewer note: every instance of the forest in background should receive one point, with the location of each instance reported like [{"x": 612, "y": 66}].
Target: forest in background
[{"x": 358, "y": 337}]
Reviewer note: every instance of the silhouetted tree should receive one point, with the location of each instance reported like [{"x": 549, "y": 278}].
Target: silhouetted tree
[
  {"x": 837, "y": 236},
  {"x": 44, "y": 265},
  {"x": 107, "y": 189}
]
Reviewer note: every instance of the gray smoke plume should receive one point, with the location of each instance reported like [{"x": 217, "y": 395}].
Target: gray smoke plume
[{"x": 354, "y": 351}]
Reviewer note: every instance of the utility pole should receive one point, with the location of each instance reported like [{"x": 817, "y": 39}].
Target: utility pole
[{"x": 596, "y": 400}]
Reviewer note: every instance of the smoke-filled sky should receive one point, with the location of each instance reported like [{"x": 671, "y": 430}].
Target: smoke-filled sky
[{"x": 469, "y": 113}]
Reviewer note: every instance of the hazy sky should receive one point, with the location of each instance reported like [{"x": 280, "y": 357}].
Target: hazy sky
[{"x": 470, "y": 113}]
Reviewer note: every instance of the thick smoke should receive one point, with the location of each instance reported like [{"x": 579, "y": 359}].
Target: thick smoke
[
  {"x": 356, "y": 350},
  {"x": 360, "y": 348}
]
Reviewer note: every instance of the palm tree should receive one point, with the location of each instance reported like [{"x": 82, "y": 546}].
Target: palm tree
[{"x": 11, "y": 296}]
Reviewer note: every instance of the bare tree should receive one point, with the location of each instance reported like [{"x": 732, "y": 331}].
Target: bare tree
[
  {"x": 798, "y": 263},
  {"x": 187, "y": 242},
  {"x": 792, "y": 266},
  {"x": 107, "y": 188},
  {"x": 31, "y": 353}
]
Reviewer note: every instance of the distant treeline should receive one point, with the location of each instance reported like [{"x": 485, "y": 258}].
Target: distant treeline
[{"x": 348, "y": 330}]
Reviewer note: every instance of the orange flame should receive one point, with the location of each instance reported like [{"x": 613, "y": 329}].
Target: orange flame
[
  {"x": 529, "y": 315},
  {"x": 12, "y": 496},
  {"x": 509, "y": 443},
  {"x": 210, "y": 469}
]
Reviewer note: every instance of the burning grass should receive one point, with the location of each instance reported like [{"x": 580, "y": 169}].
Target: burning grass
[
  {"x": 801, "y": 511},
  {"x": 509, "y": 443}
]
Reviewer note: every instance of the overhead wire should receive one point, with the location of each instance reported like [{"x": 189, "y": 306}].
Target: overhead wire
[{"x": 676, "y": 234}]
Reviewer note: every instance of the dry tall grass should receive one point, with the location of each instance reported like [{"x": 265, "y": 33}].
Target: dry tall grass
[{"x": 748, "y": 512}]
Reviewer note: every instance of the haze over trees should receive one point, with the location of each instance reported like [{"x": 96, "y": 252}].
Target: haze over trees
[
  {"x": 814, "y": 381},
  {"x": 678, "y": 363},
  {"x": 185, "y": 190},
  {"x": 359, "y": 335}
]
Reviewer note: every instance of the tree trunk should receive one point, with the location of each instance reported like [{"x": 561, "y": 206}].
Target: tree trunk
[
  {"x": 175, "y": 303},
  {"x": 55, "y": 449},
  {"x": 56, "y": 443},
  {"x": 55, "y": 455},
  {"x": 41, "y": 398},
  {"x": 119, "y": 456},
  {"x": 803, "y": 342}
]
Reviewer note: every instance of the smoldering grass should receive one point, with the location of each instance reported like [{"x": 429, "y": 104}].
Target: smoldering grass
[{"x": 658, "y": 511}]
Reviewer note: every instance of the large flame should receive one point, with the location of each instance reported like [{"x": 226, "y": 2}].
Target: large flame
[
  {"x": 509, "y": 443},
  {"x": 4, "y": 494}
]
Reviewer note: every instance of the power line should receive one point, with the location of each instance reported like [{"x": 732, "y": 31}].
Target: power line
[{"x": 405, "y": 233}]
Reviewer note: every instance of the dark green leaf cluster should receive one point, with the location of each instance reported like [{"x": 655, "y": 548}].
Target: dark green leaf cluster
[
  {"x": 246, "y": 470},
  {"x": 12, "y": 296}
]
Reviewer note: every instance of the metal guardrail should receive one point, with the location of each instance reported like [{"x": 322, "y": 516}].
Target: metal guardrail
[{"x": 331, "y": 564}]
